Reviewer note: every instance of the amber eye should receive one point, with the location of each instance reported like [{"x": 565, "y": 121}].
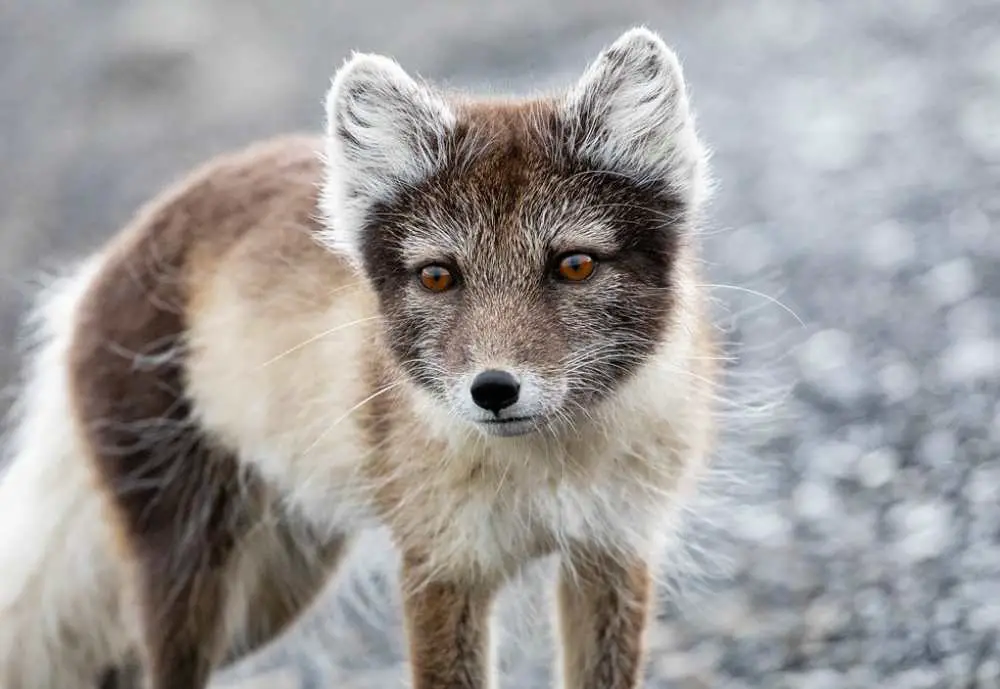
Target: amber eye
[
  {"x": 436, "y": 278},
  {"x": 576, "y": 267}
]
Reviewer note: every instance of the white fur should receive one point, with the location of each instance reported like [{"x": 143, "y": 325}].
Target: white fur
[
  {"x": 384, "y": 131},
  {"x": 291, "y": 357},
  {"x": 59, "y": 579},
  {"x": 65, "y": 606}
]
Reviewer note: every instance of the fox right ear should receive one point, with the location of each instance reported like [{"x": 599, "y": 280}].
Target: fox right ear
[
  {"x": 629, "y": 112},
  {"x": 385, "y": 131}
]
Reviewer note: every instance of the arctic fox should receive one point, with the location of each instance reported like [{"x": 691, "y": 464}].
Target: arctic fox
[{"x": 474, "y": 322}]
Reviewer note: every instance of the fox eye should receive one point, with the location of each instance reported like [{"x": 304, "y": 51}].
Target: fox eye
[
  {"x": 436, "y": 278},
  {"x": 576, "y": 267}
]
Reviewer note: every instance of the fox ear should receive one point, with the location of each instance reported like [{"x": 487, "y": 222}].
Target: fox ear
[
  {"x": 629, "y": 112},
  {"x": 385, "y": 131}
]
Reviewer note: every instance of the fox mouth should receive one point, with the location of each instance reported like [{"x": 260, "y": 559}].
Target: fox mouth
[{"x": 511, "y": 426}]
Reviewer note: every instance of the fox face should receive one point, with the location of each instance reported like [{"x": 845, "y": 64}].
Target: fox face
[{"x": 523, "y": 252}]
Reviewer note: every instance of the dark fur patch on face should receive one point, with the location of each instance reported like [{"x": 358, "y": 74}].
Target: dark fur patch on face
[{"x": 499, "y": 215}]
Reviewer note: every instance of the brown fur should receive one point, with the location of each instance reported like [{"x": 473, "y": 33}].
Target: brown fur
[
  {"x": 603, "y": 606},
  {"x": 183, "y": 502},
  {"x": 448, "y": 628}
]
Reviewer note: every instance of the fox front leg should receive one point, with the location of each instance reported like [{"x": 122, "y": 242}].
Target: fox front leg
[
  {"x": 447, "y": 625},
  {"x": 603, "y": 604}
]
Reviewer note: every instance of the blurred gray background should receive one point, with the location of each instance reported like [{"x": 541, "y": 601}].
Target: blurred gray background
[{"x": 852, "y": 535}]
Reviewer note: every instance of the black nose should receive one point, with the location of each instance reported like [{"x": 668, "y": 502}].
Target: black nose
[{"x": 494, "y": 390}]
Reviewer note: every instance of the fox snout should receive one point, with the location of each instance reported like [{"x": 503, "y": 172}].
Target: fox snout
[
  {"x": 495, "y": 389},
  {"x": 505, "y": 400}
]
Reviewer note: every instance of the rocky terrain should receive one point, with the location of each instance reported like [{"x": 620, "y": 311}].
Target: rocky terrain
[{"x": 851, "y": 537}]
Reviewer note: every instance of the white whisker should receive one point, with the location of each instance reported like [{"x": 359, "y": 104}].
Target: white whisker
[{"x": 318, "y": 336}]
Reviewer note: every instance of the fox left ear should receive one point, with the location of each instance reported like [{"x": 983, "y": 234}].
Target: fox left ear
[
  {"x": 629, "y": 113},
  {"x": 385, "y": 132}
]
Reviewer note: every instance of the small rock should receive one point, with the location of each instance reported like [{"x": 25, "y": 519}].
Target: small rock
[
  {"x": 164, "y": 26},
  {"x": 281, "y": 678},
  {"x": 762, "y": 525},
  {"x": 950, "y": 283},
  {"x": 832, "y": 139},
  {"x": 697, "y": 661},
  {"x": 877, "y": 468},
  {"x": 917, "y": 678},
  {"x": 815, "y": 500},
  {"x": 971, "y": 360},
  {"x": 977, "y": 125},
  {"x": 985, "y": 615},
  {"x": 899, "y": 380},
  {"x": 937, "y": 448},
  {"x": 824, "y": 618},
  {"x": 731, "y": 615},
  {"x": 748, "y": 250},
  {"x": 983, "y": 485},
  {"x": 827, "y": 361},
  {"x": 971, "y": 318},
  {"x": 819, "y": 679},
  {"x": 860, "y": 677},
  {"x": 661, "y": 638},
  {"x": 889, "y": 246},
  {"x": 983, "y": 559},
  {"x": 925, "y": 530},
  {"x": 834, "y": 458},
  {"x": 947, "y": 640},
  {"x": 984, "y": 61},
  {"x": 988, "y": 673},
  {"x": 969, "y": 224}
]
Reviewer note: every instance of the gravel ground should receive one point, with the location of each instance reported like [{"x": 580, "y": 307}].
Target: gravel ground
[{"x": 852, "y": 538}]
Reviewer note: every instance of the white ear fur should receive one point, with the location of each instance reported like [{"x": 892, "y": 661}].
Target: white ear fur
[
  {"x": 385, "y": 131},
  {"x": 629, "y": 112}
]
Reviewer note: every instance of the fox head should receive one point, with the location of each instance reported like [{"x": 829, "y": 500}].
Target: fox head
[{"x": 524, "y": 252}]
